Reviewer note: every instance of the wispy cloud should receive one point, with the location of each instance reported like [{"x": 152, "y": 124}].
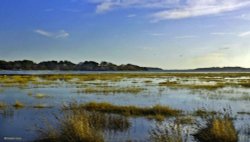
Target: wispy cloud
[
  {"x": 243, "y": 17},
  {"x": 194, "y": 8},
  {"x": 157, "y": 34},
  {"x": 186, "y": 36},
  {"x": 244, "y": 34},
  {"x": 174, "y": 9},
  {"x": 131, "y": 15},
  {"x": 239, "y": 34},
  {"x": 60, "y": 34},
  {"x": 221, "y": 33},
  {"x": 107, "y": 5}
]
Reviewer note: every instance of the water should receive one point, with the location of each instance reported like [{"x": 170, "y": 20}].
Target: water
[{"x": 22, "y": 123}]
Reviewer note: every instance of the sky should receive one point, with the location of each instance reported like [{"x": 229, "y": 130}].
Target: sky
[{"x": 170, "y": 34}]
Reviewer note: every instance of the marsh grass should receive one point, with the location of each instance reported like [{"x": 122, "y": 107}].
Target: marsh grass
[
  {"x": 77, "y": 125},
  {"x": 2, "y": 105},
  {"x": 18, "y": 104},
  {"x": 41, "y": 96},
  {"x": 204, "y": 113},
  {"x": 29, "y": 93},
  {"x": 54, "y": 80},
  {"x": 155, "y": 111},
  {"x": 175, "y": 84},
  {"x": 217, "y": 128},
  {"x": 185, "y": 120},
  {"x": 148, "y": 81},
  {"x": 111, "y": 90},
  {"x": 157, "y": 117},
  {"x": 73, "y": 126}
]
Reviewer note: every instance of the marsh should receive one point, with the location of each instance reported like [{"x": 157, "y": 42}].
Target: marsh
[{"x": 135, "y": 102}]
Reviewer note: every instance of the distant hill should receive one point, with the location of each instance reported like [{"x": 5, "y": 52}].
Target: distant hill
[
  {"x": 223, "y": 69},
  {"x": 67, "y": 65},
  {"x": 214, "y": 69},
  {"x": 103, "y": 66}
]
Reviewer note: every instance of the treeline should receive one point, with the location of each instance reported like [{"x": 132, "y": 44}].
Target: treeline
[{"x": 67, "y": 65}]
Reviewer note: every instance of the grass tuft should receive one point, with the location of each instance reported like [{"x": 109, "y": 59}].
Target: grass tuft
[
  {"x": 40, "y": 96},
  {"x": 78, "y": 125},
  {"x": 219, "y": 129},
  {"x": 2, "y": 105},
  {"x": 18, "y": 104},
  {"x": 41, "y": 106}
]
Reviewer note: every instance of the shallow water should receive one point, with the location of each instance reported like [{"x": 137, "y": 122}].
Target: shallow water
[{"x": 21, "y": 122}]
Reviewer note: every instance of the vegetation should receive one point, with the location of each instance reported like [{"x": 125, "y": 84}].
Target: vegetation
[
  {"x": 204, "y": 113},
  {"x": 42, "y": 106},
  {"x": 204, "y": 81},
  {"x": 2, "y": 105},
  {"x": 174, "y": 84},
  {"x": 76, "y": 125},
  {"x": 73, "y": 126},
  {"x": 113, "y": 90},
  {"x": 67, "y": 65},
  {"x": 18, "y": 104},
  {"x": 40, "y": 96},
  {"x": 219, "y": 129},
  {"x": 131, "y": 110}
]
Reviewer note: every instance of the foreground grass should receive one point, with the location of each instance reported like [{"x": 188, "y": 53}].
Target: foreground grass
[
  {"x": 156, "y": 110},
  {"x": 219, "y": 129},
  {"x": 73, "y": 126},
  {"x": 78, "y": 125}
]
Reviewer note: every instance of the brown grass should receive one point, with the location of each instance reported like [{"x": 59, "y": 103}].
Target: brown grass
[
  {"x": 2, "y": 105},
  {"x": 18, "y": 104},
  {"x": 131, "y": 110},
  {"x": 111, "y": 90},
  {"x": 217, "y": 129}
]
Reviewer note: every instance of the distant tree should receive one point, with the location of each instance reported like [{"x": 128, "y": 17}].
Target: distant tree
[
  {"x": 88, "y": 65},
  {"x": 67, "y": 65}
]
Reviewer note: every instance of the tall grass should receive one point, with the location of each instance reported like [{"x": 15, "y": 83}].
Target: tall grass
[
  {"x": 73, "y": 126},
  {"x": 217, "y": 129},
  {"x": 78, "y": 125}
]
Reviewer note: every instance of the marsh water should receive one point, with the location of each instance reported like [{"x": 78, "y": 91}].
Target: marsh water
[{"x": 21, "y": 123}]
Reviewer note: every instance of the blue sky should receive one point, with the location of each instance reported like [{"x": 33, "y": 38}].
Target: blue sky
[{"x": 171, "y": 34}]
